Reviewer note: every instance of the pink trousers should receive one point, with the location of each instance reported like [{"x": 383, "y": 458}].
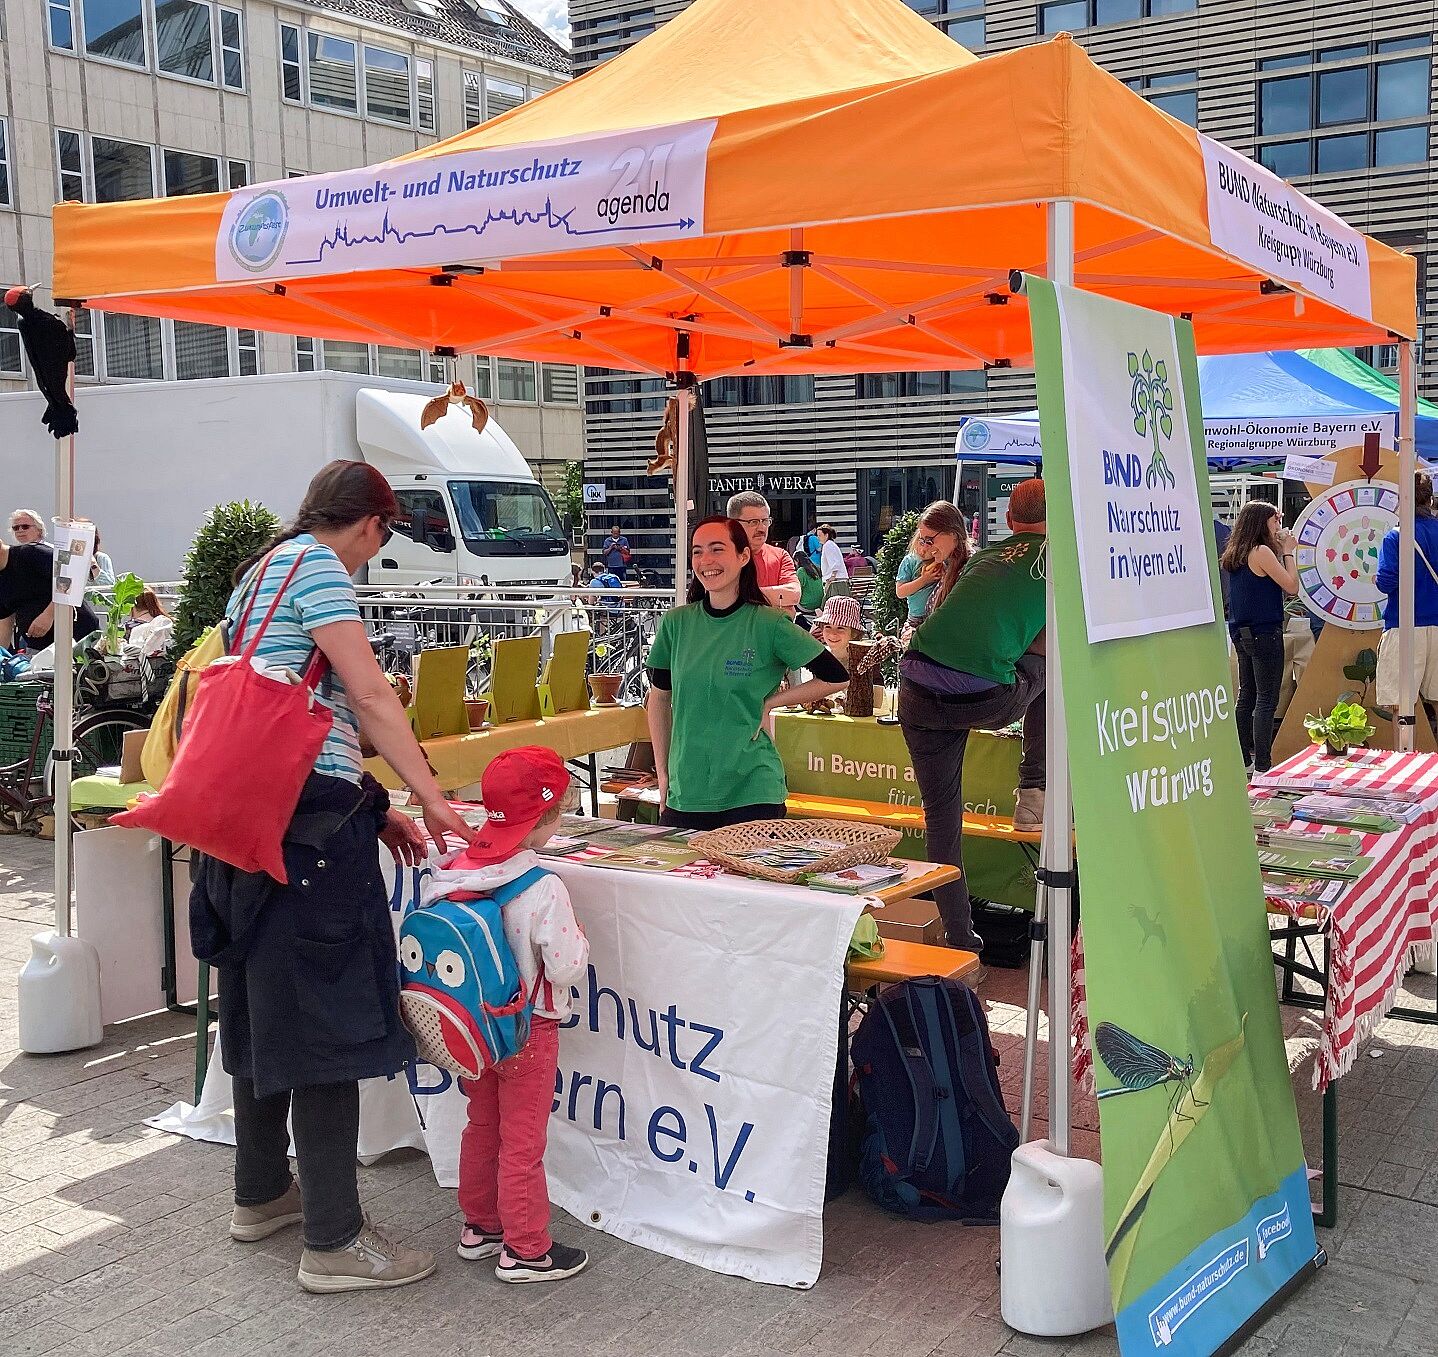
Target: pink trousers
[{"x": 501, "y": 1154}]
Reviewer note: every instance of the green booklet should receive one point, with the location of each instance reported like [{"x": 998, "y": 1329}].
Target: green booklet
[{"x": 1318, "y": 860}]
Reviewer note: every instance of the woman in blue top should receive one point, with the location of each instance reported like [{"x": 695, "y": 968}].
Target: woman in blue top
[
  {"x": 309, "y": 997},
  {"x": 1425, "y": 602},
  {"x": 1259, "y": 561}
]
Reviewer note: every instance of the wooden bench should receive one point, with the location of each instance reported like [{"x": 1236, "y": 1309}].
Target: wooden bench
[
  {"x": 814, "y": 807},
  {"x": 906, "y": 961}
]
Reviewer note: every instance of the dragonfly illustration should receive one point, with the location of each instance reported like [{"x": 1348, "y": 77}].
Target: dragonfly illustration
[{"x": 1138, "y": 1066}]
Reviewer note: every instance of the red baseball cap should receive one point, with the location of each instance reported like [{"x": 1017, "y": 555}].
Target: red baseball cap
[{"x": 519, "y": 788}]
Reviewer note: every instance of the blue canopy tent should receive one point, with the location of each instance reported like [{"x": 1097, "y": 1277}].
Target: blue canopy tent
[{"x": 1257, "y": 408}]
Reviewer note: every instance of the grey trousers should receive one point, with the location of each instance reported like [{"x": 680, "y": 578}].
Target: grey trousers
[{"x": 937, "y": 733}]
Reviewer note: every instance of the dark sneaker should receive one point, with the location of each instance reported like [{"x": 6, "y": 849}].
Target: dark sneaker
[
  {"x": 475, "y": 1243},
  {"x": 373, "y": 1262},
  {"x": 251, "y": 1223},
  {"x": 560, "y": 1262}
]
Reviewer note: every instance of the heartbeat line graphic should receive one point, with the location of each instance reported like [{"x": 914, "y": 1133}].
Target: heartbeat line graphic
[{"x": 339, "y": 238}]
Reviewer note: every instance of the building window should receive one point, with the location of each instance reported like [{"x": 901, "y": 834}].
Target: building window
[
  {"x": 1175, "y": 93},
  {"x": 70, "y": 167},
  {"x": 516, "y": 380},
  {"x": 333, "y": 80},
  {"x": 500, "y": 96},
  {"x": 201, "y": 351},
  {"x": 365, "y": 360},
  {"x": 184, "y": 39},
  {"x": 187, "y": 173},
  {"x": 232, "y": 49},
  {"x": 386, "y": 85},
  {"x": 5, "y": 198},
  {"x": 965, "y": 26},
  {"x": 239, "y": 172},
  {"x": 133, "y": 348},
  {"x": 306, "y": 354},
  {"x": 121, "y": 171},
  {"x": 561, "y": 384},
  {"x": 344, "y": 355},
  {"x": 1067, "y": 15},
  {"x": 473, "y": 99},
  {"x": 84, "y": 343},
  {"x": 115, "y": 30},
  {"x": 407, "y": 364},
  {"x": 886, "y": 494},
  {"x": 10, "y": 363},
  {"x": 1318, "y": 120},
  {"x": 484, "y": 377},
  {"x": 770, "y": 390},
  {"x": 895, "y": 385},
  {"x": 424, "y": 93},
  {"x": 62, "y": 25},
  {"x": 291, "y": 77},
  {"x": 247, "y": 353}
]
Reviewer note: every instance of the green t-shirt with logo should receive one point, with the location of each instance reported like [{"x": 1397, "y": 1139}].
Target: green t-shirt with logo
[
  {"x": 993, "y": 613},
  {"x": 721, "y": 670}
]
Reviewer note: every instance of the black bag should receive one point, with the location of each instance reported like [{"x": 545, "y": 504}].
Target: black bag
[{"x": 1005, "y": 931}]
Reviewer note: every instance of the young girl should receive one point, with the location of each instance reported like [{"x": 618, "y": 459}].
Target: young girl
[
  {"x": 715, "y": 670},
  {"x": 841, "y": 622},
  {"x": 502, "y": 1188},
  {"x": 1259, "y": 560},
  {"x": 943, "y": 533},
  {"x": 916, "y": 578}
]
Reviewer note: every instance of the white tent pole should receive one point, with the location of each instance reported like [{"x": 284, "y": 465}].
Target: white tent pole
[
  {"x": 64, "y": 719},
  {"x": 1056, "y": 854},
  {"x": 684, "y": 396},
  {"x": 1407, "y": 465}
]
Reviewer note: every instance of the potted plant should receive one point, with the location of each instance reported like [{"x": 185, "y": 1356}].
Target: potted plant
[
  {"x": 230, "y": 534},
  {"x": 604, "y": 681},
  {"x": 123, "y": 598},
  {"x": 1345, "y": 726}
]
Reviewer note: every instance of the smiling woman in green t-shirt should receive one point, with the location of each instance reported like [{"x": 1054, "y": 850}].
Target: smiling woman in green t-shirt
[{"x": 715, "y": 670}]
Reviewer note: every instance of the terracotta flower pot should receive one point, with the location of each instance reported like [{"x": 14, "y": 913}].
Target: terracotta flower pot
[
  {"x": 605, "y": 688},
  {"x": 478, "y": 710}
]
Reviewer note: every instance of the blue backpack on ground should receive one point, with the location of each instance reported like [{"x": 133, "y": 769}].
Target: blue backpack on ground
[
  {"x": 461, "y": 994},
  {"x": 939, "y": 1138}
]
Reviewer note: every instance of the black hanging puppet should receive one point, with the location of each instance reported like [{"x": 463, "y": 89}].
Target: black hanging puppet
[{"x": 50, "y": 347}]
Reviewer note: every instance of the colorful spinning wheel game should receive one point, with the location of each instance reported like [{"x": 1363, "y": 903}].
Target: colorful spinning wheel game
[{"x": 1339, "y": 534}]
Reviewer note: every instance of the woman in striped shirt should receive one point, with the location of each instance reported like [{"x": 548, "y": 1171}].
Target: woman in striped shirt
[{"x": 309, "y": 999}]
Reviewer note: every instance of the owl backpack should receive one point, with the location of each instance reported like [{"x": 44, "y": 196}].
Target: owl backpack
[{"x": 461, "y": 994}]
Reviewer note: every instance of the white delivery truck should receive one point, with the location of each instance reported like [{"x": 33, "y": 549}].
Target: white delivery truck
[{"x": 152, "y": 459}]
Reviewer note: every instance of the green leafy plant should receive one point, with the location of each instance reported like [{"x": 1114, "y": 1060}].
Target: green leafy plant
[
  {"x": 571, "y": 502},
  {"x": 1151, "y": 400},
  {"x": 1346, "y": 725},
  {"x": 125, "y": 594},
  {"x": 888, "y": 608},
  {"x": 229, "y": 534}
]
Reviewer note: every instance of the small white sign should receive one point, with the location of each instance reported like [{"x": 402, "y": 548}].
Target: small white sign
[
  {"x": 1138, "y": 515},
  {"x": 74, "y": 551},
  {"x": 1310, "y": 470},
  {"x": 595, "y": 492},
  {"x": 1256, "y": 217},
  {"x": 542, "y": 198}
]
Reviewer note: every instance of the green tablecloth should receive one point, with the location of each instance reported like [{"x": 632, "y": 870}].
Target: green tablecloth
[
  {"x": 104, "y": 793},
  {"x": 859, "y": 758}
]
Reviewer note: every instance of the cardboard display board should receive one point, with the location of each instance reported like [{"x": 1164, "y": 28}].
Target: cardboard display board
[
  {"x": 512, "y": 677},
  {"x": 564, "y": 684},
  {"x": 438, "y": 707}
]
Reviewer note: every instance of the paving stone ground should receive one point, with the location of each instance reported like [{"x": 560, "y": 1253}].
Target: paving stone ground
[{"x": 113, "y": 1241}]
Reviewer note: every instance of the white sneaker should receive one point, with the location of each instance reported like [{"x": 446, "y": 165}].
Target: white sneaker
[{"x": 1029, "y": 809}]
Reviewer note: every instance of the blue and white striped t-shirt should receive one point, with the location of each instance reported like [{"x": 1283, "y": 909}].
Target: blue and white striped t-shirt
[{"x": 320, "y": 593}]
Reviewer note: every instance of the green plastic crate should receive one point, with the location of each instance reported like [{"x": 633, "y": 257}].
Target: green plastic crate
[{"x": 17, "y": 723}]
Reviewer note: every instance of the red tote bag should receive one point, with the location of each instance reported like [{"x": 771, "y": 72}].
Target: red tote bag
[{"x": 250, "y": 741}]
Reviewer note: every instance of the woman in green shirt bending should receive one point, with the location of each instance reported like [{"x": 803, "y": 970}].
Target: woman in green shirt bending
[{"x": 715, "y": 671}]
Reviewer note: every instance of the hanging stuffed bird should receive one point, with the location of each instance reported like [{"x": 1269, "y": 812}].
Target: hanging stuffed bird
[
  {"x": 666, "y": 441},
  {"x": 50, "y": 347},
  {"x": 455, "y": 397}
]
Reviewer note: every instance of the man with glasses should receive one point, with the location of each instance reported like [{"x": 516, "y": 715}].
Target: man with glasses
[
  {"x": 773, "y": 565},
  {"x": 27, "y": 527}
]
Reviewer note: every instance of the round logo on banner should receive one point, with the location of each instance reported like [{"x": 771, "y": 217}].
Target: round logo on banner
[
  {"x": 1339, "y": 534},
  {"x": 258, "y": 232},
  {"x": 976, "y": 435}
]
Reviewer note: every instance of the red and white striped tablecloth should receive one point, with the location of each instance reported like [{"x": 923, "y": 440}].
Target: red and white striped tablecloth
[{"x": 1384, "y": 923}]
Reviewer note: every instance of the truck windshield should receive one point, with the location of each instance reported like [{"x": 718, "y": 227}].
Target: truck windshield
[{"x": 507, "y": 518}]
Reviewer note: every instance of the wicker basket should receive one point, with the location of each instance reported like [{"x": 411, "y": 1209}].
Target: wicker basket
[{"x": 862, "y": 843}]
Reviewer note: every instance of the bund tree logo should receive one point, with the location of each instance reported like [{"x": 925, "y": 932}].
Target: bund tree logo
[{"x": 1151, "y": 399}]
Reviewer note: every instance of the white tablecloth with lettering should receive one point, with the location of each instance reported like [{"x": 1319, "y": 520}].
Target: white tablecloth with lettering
[{"x": 691, "y": 1109}]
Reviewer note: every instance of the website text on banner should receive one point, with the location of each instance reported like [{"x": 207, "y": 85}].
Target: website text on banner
[
  {"x": 471, "y": 205},
  {"x": 1206, "y": 1210}
]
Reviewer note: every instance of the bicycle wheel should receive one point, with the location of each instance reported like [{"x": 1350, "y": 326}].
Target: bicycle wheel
[{"x": 99, "y": 740}]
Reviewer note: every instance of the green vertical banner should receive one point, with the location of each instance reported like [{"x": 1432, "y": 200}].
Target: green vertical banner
[{"x": 1206, "y": 1206}]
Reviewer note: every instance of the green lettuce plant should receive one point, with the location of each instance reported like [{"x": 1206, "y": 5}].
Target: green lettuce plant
[{"x": 1346, "y": 725}]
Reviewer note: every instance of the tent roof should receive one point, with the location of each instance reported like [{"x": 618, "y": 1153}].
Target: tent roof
[
  {"x": 912, "y": 174},
  {"x": 1259, "y": 387}
]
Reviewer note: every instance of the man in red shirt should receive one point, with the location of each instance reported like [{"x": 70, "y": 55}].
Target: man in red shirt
[{"x": 774, "y": 566}]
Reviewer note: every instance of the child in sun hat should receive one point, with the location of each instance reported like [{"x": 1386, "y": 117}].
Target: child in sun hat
[
  {"x": 502, "y": 1188},
  {"x": 840, "y": 622}
]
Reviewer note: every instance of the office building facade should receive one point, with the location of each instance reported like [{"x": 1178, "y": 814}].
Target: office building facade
[
  {"x": 103, "y": 100},
  {"x": 1333, "y": 96}
]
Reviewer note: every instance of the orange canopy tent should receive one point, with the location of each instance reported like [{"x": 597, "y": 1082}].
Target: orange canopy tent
[
  {"x": 854, "y": 191},
  {"x": 868, "y": 187}
]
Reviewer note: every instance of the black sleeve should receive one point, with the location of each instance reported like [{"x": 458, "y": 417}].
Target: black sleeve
[
  {"x": 828, "y": 668},
  {"x": 662, "y": 679}
]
